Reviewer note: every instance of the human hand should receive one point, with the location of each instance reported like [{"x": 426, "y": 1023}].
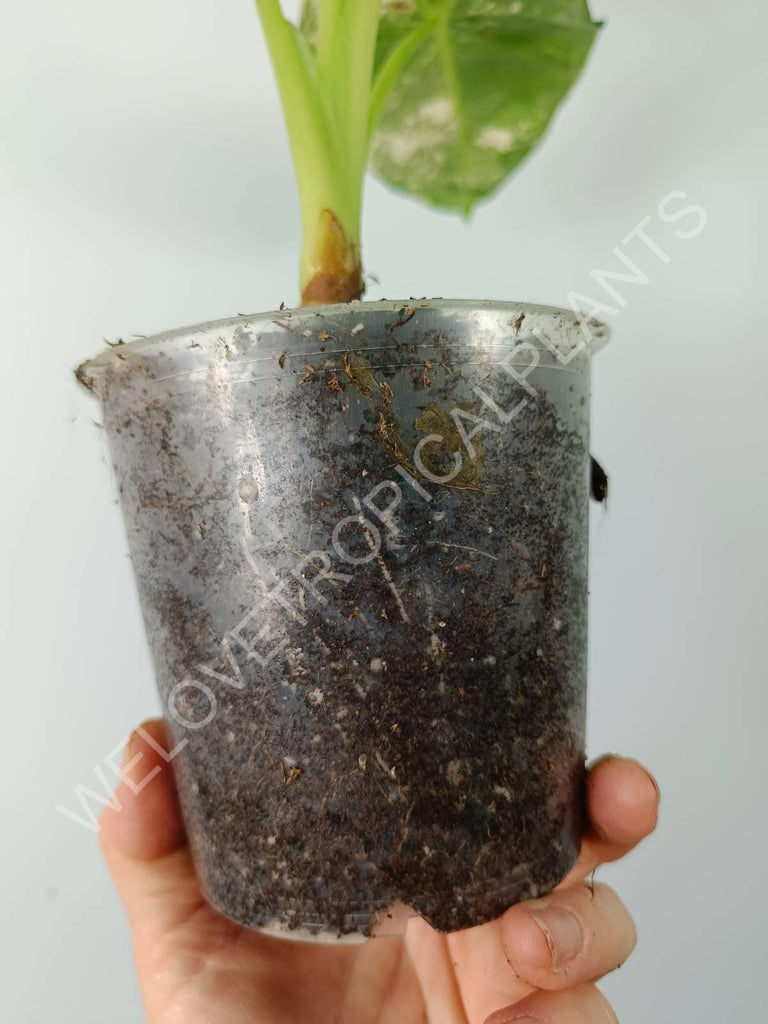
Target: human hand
[{"x": 536, "y": 963}]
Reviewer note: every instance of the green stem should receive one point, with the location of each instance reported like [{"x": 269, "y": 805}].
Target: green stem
[{"x": 326, "y": 103}]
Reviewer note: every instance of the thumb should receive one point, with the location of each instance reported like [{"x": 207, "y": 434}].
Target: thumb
[{"x": 143, "y": 839}]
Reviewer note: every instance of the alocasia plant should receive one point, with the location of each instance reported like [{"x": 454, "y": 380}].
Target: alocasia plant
[{"x": 443, "y": 97}]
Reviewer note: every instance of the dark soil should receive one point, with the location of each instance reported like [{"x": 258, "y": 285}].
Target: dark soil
[{"x": 419, "y": 736}]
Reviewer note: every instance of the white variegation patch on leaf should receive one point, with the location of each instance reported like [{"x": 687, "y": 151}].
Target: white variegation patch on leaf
[{"x": 504, "y": 66}]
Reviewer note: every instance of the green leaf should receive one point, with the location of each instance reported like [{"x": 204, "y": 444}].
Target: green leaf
[{"x": 466, "y": 88}]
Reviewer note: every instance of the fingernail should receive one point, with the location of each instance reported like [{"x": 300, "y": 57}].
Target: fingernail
[
  {"x": 655, "y": 785},
  {"x": 562, "y": 932},
  {"x": 131, "y": 747},
  {"x": 603, "y": 758},
  {"x": 520, "y": 1020}
]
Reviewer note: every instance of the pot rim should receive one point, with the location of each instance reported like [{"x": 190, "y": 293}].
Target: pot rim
[{"x": 89, "y": 372}]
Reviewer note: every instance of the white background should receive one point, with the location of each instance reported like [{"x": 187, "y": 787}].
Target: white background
[{"x": 146, "y": 185}]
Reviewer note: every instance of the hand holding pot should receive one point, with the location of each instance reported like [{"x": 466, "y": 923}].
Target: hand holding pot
[{"x": 538, "y": 962}]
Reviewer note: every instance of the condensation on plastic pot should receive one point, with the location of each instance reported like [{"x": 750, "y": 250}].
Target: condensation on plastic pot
[{"x": 360, "y": 538}]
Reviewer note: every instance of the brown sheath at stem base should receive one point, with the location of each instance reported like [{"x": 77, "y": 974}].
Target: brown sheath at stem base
[{"x": 340, "y": 277}]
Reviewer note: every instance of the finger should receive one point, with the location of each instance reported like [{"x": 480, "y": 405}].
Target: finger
[
  {"x": 622, "y": 808},
  {"x": 582, "y": 1004},
  {"x": 573, "y": 935},
  {"x": 148, "y": 823},
  {"x": 143, "y": 839}
]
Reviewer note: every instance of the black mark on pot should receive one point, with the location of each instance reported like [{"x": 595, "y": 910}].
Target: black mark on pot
[{"x": 598, "y": 481}]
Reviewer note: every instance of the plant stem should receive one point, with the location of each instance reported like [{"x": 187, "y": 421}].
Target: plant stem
[{"x": 326, "y": 101}]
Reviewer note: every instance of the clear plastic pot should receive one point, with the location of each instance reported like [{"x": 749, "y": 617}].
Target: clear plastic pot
[{"x": 360, "y": 540}]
